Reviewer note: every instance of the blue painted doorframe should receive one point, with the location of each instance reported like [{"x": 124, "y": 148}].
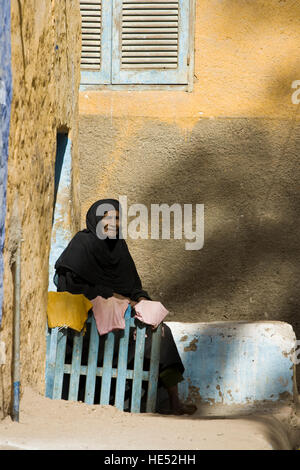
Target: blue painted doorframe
[
  {"x": 5, "y": 107},
  {"x": 61, "y": 230}
]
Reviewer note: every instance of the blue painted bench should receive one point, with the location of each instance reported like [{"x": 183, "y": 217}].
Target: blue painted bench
[{"x": 56, "y": 367}]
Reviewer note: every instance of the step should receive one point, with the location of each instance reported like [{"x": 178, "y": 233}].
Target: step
[{"x": 236, "y": 364}]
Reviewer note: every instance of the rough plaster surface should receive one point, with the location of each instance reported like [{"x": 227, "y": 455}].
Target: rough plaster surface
[
  {"x": 45, "y": 57},
  {"x": 246, "y": 58}
]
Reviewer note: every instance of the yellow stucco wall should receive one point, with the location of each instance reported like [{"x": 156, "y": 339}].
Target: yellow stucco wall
[
  {"x": 46, "y": 45},
  {"x": 246, "y": 57},
  {"x": 231, "y": 144}
]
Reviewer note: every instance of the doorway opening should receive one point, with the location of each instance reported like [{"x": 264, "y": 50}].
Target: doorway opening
[{"x": 61, "y": 230}]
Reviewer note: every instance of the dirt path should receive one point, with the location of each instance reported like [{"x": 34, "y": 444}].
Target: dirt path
[{"x": 57, "y": 424}]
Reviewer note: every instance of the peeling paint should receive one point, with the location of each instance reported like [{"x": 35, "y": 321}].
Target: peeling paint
[
  {"x": 192, "y": 346},
  {"x": 242, "y": 366},
  {"x": 193, "y": 394}
]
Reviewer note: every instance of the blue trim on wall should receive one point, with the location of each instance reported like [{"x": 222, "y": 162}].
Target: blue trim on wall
[
  {"x": 62, "y": 142},
  {"x": 61, "y": 233},
  {"x": 16, "y": 401},
  {"x": 5, "y": 107}
]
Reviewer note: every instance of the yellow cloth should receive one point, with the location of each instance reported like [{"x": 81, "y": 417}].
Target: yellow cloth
[{"x": 65, "y": 309}]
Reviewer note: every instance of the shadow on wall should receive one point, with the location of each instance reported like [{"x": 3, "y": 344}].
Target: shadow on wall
[
  {"x": 246, "y": 173},
  {"x": 251, "y": 211}
]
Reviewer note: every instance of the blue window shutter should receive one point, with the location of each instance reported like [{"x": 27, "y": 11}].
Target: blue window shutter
[
  {"x": 96, "y": 16},
  {"x": 150, "y": 42}
]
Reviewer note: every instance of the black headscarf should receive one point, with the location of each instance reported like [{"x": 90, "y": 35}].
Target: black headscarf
[{"x": 105, "y": 263}]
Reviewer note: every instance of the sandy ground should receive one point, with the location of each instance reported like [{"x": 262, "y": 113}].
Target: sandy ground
[{"x": 64, "y": 425}]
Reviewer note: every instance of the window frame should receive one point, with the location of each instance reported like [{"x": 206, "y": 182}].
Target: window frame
[
  {"x": 111, "y": 77},
  {"x": 102, "y": 76}
]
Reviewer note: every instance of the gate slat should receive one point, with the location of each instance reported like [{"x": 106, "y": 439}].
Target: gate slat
[
  {"x": 107, "y": 368},
  {"x": 122, "y": 363},
  {"x": 92, "y": 364},
  {"x": 50, "y": 364},
  {"x": 154, "y": 369},
  {"x": 55, "y": 367},
  {"x": 60, "y": 362},
  {"x": 75, "y": 368},
  {"x": 138, "y": 369}
]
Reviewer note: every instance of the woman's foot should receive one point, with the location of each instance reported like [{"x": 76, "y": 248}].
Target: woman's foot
[
  {"x": 176, "y": 407},
  {"x": 184, "y": 409}
]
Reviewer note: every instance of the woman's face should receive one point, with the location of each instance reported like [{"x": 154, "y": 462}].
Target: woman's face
[{"x": 110, "y": 223}]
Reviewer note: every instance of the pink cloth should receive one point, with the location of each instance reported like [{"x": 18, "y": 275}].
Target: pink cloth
[
  {"x": 109, "y": 313},
  {"x": 150, "y": 312}
]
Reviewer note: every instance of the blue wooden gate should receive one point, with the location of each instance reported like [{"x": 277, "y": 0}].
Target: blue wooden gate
[{"x": 56, "y": 368}]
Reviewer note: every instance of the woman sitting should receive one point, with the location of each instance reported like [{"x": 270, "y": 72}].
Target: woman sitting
[{"x": 102, "y": 266}]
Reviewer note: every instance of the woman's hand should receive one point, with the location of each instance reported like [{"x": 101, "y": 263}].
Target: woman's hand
[
  {"x": 134, "y": 302},
  {"x": 119, "y": 296},
  {"x": 162, "y": 329}
]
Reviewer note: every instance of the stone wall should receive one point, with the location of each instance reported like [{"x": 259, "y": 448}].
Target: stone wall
[{"x": 46, "y": 44}]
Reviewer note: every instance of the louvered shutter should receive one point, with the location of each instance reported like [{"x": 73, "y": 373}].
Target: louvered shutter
[
  {"x": 150, "y": 42},
  {"x": 96, "y": 20}
]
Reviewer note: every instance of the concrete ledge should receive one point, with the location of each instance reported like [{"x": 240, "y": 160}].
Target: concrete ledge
[{"x": 236, "y": 363}]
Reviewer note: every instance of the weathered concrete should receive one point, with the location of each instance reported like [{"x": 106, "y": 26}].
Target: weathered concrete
[{"x": 250, "y": 364}]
